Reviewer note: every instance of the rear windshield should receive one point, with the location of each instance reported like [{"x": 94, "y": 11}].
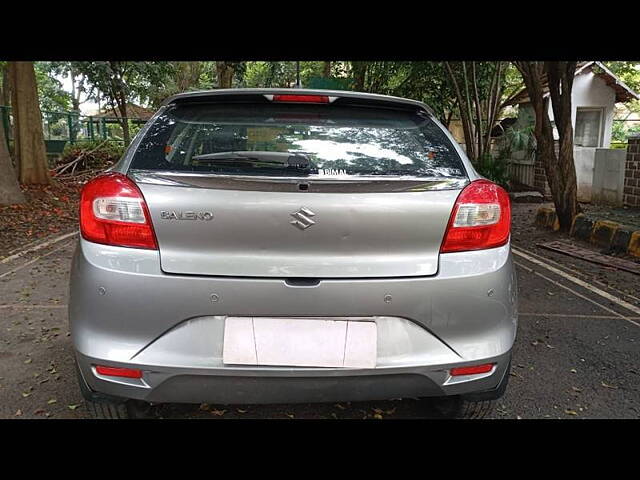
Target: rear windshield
[{"x": 297, "y": 140}]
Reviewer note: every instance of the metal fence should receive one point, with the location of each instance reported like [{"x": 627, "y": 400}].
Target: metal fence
[{"x": 60, "y": 128}]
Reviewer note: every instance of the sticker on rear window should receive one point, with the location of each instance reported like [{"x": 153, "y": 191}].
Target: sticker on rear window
[{"x": 331, "y": 171}]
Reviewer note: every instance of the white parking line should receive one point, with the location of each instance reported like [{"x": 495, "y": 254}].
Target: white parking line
[
  {"x": 38, "y": 247},
  {"x": 34, "y": 260},
  {"x": 578, "y": 273},
  {"x": 577, "y": 281},
  {"x": 20, "y": 305},
  {"x": 571, "y": 315},
  {"x": 578, "y": 294}
]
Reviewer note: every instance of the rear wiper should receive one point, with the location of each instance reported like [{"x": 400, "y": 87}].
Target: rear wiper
[{"x": 299, "y": 163}]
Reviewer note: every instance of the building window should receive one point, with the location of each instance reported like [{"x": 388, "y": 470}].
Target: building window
[{"x": 588, "y": 127}]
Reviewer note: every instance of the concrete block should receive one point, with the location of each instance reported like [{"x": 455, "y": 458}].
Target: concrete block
[
  {"x": 634, "y": 244},
  {"x": 603, "y": 232},
  {"x": 544, "y": 217},
  {"x": 582, "y": 226},
  {"x": 526, "y": 197},
  {"x": 621, "y": 239}
]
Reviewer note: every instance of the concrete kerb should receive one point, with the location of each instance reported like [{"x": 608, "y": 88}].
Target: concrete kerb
[{"x": 610, "y": 235}]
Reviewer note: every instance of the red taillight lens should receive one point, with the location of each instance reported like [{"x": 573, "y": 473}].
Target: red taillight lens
[
  {"x": 301, "y": 98},
  {"x": 456, "y": 372},
  {"x": 119, "y": 372},
  {"x": 113, "y": 212},
  {"x": 481, "y": 218}
]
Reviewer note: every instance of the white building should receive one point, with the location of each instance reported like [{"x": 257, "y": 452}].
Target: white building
[{"x": 595, "y": 92}]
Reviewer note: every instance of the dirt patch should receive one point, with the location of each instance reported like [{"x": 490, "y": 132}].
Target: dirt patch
[{"x": 48, "y": 210}]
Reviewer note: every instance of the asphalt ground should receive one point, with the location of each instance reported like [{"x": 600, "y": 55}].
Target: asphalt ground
[{"x": 577, "y": 354}]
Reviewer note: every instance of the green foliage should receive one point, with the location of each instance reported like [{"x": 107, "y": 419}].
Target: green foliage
[
  {"x": 629, "y": 73},
  {"x": 495, "y": 168},
  {"x": 279, "y": 74},
  {"x": 50, "y": 92},
  {"x": 125, "y": 81},
  {"x": 620, "y": 131}
]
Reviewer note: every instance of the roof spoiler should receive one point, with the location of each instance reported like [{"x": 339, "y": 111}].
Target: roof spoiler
[{"x": 265, "y": 95}]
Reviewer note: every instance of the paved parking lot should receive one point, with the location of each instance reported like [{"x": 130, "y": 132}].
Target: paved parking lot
[{"x": 577, "y": 354}]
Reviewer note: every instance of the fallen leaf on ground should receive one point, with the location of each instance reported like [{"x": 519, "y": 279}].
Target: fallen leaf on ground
[
  {"x": 570, "y": 412},
  {"x": 219, "y": 413},
  {"x": 73, "y": 407},
  {"x": 605, "y": 385}
]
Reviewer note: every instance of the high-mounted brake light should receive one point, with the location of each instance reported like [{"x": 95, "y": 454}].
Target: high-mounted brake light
[
  {"x": 456, "y": 372},
  {"x": 113, "y": 212},
  {"x": 301, "y": 98},
  {"x": 118, "y": 372},
  {"x": 481, "y": 218}
]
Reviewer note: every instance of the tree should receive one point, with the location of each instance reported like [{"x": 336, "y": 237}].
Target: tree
[
  {"x": 123, "y": 82},
  {"x": 479, "y": 89},
  {"x": 224, "y": 73},
  {"x": 10, "y": 192},
  {"x": 560, "y": 169},
  {"x": 326, "y": 69},
  {"x": 51, "y": 94},
  {"x": 30, "y": 152},
  {"x": 179, "y": 77},
  {"x": 629, "y": 73}
]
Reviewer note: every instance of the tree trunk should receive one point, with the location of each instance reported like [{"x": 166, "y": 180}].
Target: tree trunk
[
  {"x": 560, "y": 75},
  {"x": 75, "y": 94},
  {"x": 224, "y": 71},
  {"x": 5, "y": 98},
  {"x": 30, "y": 151},
  {"x": 326, "y": 69},
  {"x": 10, "y": 193},
  {"x": 188, "y": 75},
  {"x": 559, "y": 170},
  {"x": 359, "y": 70},
  {"x": 124, "y": 120}
]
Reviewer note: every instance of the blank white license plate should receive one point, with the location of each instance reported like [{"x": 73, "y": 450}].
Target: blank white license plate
[{"x": 299, "y": 342}]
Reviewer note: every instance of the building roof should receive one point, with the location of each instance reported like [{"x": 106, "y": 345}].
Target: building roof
[
  {"x": 623, "y": 92},
  {"x": 133, "y": 111}
]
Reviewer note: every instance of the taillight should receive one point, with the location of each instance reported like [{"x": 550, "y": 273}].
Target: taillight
[
  {"x": 301, "y": 98},
  {"x": 113, "y": 212},
  {"x": 481, "y": 218}
]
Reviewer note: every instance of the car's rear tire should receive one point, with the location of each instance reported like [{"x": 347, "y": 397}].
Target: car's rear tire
[
  {"x": 104, "y": 407},
  {"x": 475, "y": 405},
  {"x": 458, "y": 407}
]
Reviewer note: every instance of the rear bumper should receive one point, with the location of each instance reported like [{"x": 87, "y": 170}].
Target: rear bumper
[
  {"x": 124, "y": 311},
  {"x": 235, "y": 386}
]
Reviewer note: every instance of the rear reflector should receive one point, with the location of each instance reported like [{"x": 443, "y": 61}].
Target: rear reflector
[
  {"x": 301, "y": 98},
  {"x": 481, "y": 218},
  {"x": 456, "y": 372},
  {"x": 119, "y": 372},
  {"x": 113, "y": 212}
]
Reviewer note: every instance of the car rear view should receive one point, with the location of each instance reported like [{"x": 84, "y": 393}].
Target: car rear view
[{"x": 259, "y": 246}]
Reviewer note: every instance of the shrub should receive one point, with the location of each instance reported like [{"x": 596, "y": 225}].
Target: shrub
[{"x": 90, "y": 155}]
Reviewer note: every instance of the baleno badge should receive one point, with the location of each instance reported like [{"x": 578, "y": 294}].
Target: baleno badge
[
  {"x": 303, "y": 218},
  {"x": 171, "y": 215}
]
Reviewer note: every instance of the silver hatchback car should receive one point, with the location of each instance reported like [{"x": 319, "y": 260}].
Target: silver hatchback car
[{"x": 290, "y": 245}]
